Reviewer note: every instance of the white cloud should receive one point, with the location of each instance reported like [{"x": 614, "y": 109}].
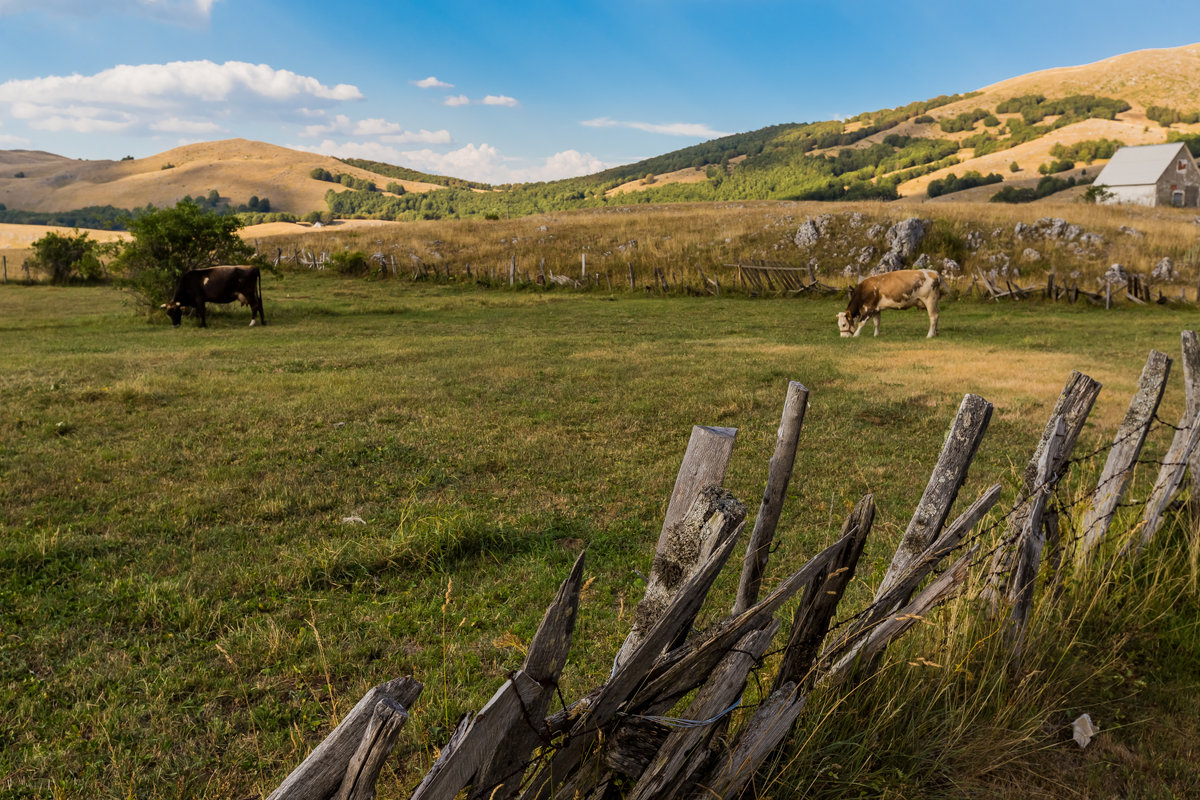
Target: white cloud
[
  {"x": 432, "y": 83},
  {"x": 500, "y": 100},
  {"x": 189, "y": 126},
  {"x": 12, "y": 141},
  {"x": 163, "y": 85},
  {"x": 695, "y": 130},
  {"x": 457, "y": 100},
  {"x": 481, "y": 162},
  {"x": 77, "y": 118},
  {"x": 195, "y": 98},
  {"x": 392, "y": 132},
  {"x": 182, "y": 12}
]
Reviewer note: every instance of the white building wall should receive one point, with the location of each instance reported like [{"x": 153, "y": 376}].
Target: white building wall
[{"x": 1139, "y": 195}]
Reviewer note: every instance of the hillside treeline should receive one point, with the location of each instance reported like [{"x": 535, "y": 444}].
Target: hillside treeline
[{"x": 796, "y": 161}]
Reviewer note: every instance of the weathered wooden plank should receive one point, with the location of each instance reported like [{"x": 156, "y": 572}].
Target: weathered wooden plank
[
  {"x": 1031, "y": 539},
  {"x": 1170, "y": 476},
  {"x": 1127, "y": 444},
  {"x": 664, "y": 774},
  {"x": 704, "y": 464},
  {"x": 497, "y": 740},
  {"x": 1073, "y": 406},
  {"x": 499, "y": 775},
  {"x": 766, "y": 729},
  {"x": 779, "y": 474},
  {"x": 881, "y": 635},
  {"x": 811, "y": 621},
  {"x": 320, "y": 775},
  {"x": 853, "y": 639},
  {"x": 1191, "y": 385},
  {"x": 713, "y": 516},
  {"x": 628, "y": 676},
  {"x": 376, "y": 745},
  {"x": 963, "y": 440},
  {"x": 680, "y": 672}
]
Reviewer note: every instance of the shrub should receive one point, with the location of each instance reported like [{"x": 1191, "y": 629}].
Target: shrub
[
  {"x": 350, "y": 262},
  {"x": 67, "y": 258},
  {"x": 168, "y": 242},
  {"x": 952, "y": 183}
]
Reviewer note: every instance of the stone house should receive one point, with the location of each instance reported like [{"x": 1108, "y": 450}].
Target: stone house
[{"x": 1152, "y": 175}]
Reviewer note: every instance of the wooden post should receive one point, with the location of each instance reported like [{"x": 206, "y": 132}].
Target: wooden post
[
  {"x": 5, "y": 260},
  {"x": 512, "y": 270},
  {"x": 583, "y": 265},
  {"x": 628, "y": 676},
  {"x": 966, "y": 433},
  {"x": 670, "y": 766},
  {"x": 1073, "y": 406},
  {"x": 682, "y": 549},
  {"x": 1170, "y": 475},
  {"x": 1127, "y": 444},
  {"x": 321, "y": 774},
  {"x": 1031, "y": 539},
  {"x": 632, "y": 280},
  {"x": 1191, "y": 386},
  {"x": 377, "y": 743},
  {"x": 542, "y": 272},
  {"x": 485, "y": 748},
  {"x": 811, "y": 621},
  {"x": 779, "y": 475}
]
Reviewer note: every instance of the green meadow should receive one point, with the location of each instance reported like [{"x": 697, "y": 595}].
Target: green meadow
[{"x": 214, "y": 541}]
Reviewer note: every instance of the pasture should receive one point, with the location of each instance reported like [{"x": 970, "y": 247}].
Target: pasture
[{"x": 212, "y": 542}]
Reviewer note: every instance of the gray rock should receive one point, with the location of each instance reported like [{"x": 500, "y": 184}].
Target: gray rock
[
  {"x": 1163, "y": 271},
  {"x": 903, "y": 237}
]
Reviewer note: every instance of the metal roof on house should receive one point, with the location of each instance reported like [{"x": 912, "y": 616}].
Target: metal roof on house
[{"x": 1136, "y": 166}]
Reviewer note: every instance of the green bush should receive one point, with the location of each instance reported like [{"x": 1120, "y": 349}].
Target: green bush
[
  {"x": 168, "y": 242},
  {"x": 353, "y": 263},
  {"x": 68, "y": 258},
  {"x": 951, "y": 183}
]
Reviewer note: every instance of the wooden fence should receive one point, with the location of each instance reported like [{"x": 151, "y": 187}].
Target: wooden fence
[{"x": 660, "y": 726}]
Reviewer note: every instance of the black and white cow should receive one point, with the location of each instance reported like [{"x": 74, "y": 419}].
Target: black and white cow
[
  {"x": 903, "y": 288},
  {"x": 217, "y": 285}
]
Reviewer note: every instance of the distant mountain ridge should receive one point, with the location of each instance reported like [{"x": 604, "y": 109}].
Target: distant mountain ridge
[{"x": 1008, "y": 129}]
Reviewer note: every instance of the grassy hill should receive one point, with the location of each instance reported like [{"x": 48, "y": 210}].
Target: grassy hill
[
  {"x": 1009, "y": 129},
  {"x": 236, "y": 168}
]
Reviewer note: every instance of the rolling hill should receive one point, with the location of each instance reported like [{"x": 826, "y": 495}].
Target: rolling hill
[{"x": 1010, "y": 128}]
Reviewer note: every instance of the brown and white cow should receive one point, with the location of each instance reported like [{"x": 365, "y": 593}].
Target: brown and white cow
[
  {"x": 217, "y": 285},
  {"x": 903, "y": 288}
]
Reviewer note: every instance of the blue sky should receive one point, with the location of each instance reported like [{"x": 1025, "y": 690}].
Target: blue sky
[{"x": 512, "y": 91}]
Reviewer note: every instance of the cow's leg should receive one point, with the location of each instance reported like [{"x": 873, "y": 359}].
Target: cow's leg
[
  {"x": 862, "y": 324},
  {"x": 931, "y": 305},
  {"x": 875, "y": 318},
  {"x": 200, "y": 312}
]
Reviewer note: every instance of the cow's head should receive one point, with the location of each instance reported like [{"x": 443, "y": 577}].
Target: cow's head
[
  {"x": 174, "y": 311},
  {"x": 845, "y": 324}
]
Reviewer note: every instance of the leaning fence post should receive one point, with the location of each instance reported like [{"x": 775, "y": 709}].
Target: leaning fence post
[
  {"x": 1191, "y": 385},
  {"x": 704, "y": 463},
  {"x": 1072, "y": 409},
  {"x": 948, "y": 476},
  {"x": 322, "y": 773},
  {"x": 779, "y": 474},
  {"x": 1031, "y": 538},
  {"x": 377, "y": 742},
  {"x": 1127, "y": 444}
]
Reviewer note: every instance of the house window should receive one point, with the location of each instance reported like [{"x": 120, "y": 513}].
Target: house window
[
  {"x": 1181, "y": 166},
  {"x": 1177, "y": 199}
]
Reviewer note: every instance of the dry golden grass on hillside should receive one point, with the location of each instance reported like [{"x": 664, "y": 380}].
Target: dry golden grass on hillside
[{"x": 237, "y": 168}]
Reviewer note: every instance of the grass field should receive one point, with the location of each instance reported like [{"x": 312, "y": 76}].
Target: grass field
[{"x": 184, "y": 608}]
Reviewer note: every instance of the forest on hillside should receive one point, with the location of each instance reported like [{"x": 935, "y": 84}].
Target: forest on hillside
[{"x": 794, "y": 161}]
